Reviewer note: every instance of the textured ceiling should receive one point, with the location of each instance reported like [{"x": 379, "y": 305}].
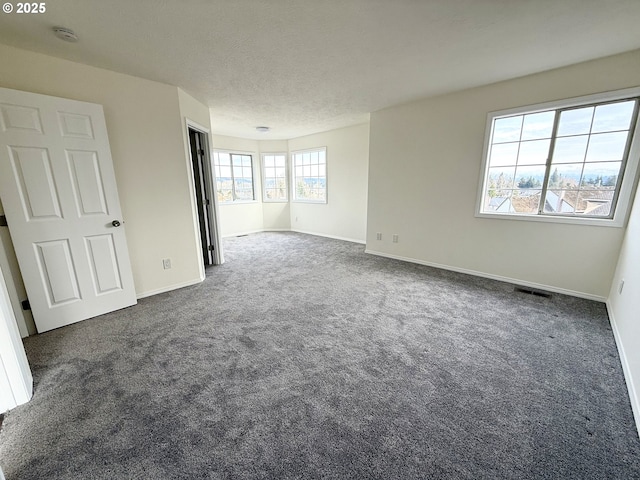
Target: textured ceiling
[{"x": 303, "y": 66}]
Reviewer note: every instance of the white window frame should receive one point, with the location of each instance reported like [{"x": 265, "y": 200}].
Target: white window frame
[
  {"x": 287, "y": 178},
  {"x": 294, "y": 196},
  {"x": 253, "y": 174},
  {"x": 630, "y": 171}
]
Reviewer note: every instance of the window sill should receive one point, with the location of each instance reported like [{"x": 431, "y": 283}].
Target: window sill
[{"x": 595, "y": 222}]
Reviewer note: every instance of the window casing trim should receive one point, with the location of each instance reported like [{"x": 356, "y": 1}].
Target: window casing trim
[
  {"x": 253, "y": 156},
  {"x": 264, "y": 177},
  {"x": 294, "y": 198},
  {"x": 629, "y": 172}
]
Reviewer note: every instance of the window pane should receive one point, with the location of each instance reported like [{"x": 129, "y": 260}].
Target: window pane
[
  {"x": 567, "y": 175},
  {"x": 225, "y": 172},
  {"x": 534, "y": 152},
  {"x": 538, "y": 125},
  {"x": 504, "y": 154},
  {"x": 500, "y": 203},
  {"x": 224, "y": 158},
  {"x": 600, "y": 175},
  {"x": 309, "y": 175},
  {"x": 530, "y": 176},
  {"x": 607, "y": 146},
  {"x": 615, "y": 116},
  {"x": 575, "y": 122},
  {"x": 587, "y": 160},
  {"x": 570, "y": 149},
  {"x": 280, "y": 161},
  {"x": 281, "y": 172},
  {"x": 236, "y": 159},
  {"x": 559, "y": 201},
  {"x": 525, "y": 201},
  {"x": 500, "y": 180},
  {"x": 507, "y": 129},
  {"x": 595, "y": 203}
]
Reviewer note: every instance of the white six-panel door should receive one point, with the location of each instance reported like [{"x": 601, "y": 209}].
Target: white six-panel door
[{"x": 58, "y": 190}]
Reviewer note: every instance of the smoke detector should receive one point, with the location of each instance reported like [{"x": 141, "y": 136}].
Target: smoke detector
[{"x": 65, "y": 34}]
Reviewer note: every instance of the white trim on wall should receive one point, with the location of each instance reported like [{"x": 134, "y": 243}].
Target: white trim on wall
[
  {"x": 629, "y": 172},
  {"x": 626, "y": 369},
  {"x": 286, "y": 176},
  {"x": 335, "y": 237},
  {"x": 176, "y": 286},
  {"x": 500, "y": 278}
]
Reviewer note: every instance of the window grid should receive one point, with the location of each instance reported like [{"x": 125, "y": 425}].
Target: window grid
[
  {"x": 568, "y": 162},
  {"x": 275, "y": 177},
  {"x": 234, "y": 177},
  {"x": 310, "y": 175}
]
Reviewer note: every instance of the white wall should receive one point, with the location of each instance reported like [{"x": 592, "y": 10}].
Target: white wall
[
  {"x": 345, "y": 213},
  {"x": 146, "y": 136},
  {"x": 624, "y": 307},
  {"x": 425, "y": 161}
]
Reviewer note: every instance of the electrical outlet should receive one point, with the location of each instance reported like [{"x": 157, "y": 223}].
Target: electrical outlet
[
  {"x": 395, "y": 238},
  {"x": 621, "y": 287},
  {"x": 166, "y": 263},
  {"x": 378, "y": 236}
]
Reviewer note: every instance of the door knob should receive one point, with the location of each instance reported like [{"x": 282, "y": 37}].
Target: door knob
[{"x": 115, "y": 223}]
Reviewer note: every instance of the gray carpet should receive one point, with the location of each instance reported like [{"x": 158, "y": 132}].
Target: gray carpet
[{"x": 303, "y": 357}]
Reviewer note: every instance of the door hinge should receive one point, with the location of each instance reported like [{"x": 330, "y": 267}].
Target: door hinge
[
  {"x": 200, "y": 151},
  {"x": 3, "y": 221},
  {"x": 26, "y": 305},
  {"x": 210, "y": 247}
]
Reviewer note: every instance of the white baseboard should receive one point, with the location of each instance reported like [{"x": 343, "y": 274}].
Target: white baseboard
[
  {"x": 626, "y": 369},
  {"x": 491, "y": 276},
  {"x": 150, "y": 293},
  {"x": 239, "y": 234},
  {"x": 335, "y": 237}
]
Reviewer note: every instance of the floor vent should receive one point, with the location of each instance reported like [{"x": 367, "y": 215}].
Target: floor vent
[{"x": 530, "y": 291}]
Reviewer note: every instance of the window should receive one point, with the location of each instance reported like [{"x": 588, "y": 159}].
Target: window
[
  {"x": 234, "y": 176},
  {"x": 563, "y": 160},
  {"x": 310, "y": 175},
  {"x": 274, "y": 167}
]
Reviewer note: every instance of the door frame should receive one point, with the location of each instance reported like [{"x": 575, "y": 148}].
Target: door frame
[
  {"x": 209, "y": 185},
  {"x": 15, "y": 375}
]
